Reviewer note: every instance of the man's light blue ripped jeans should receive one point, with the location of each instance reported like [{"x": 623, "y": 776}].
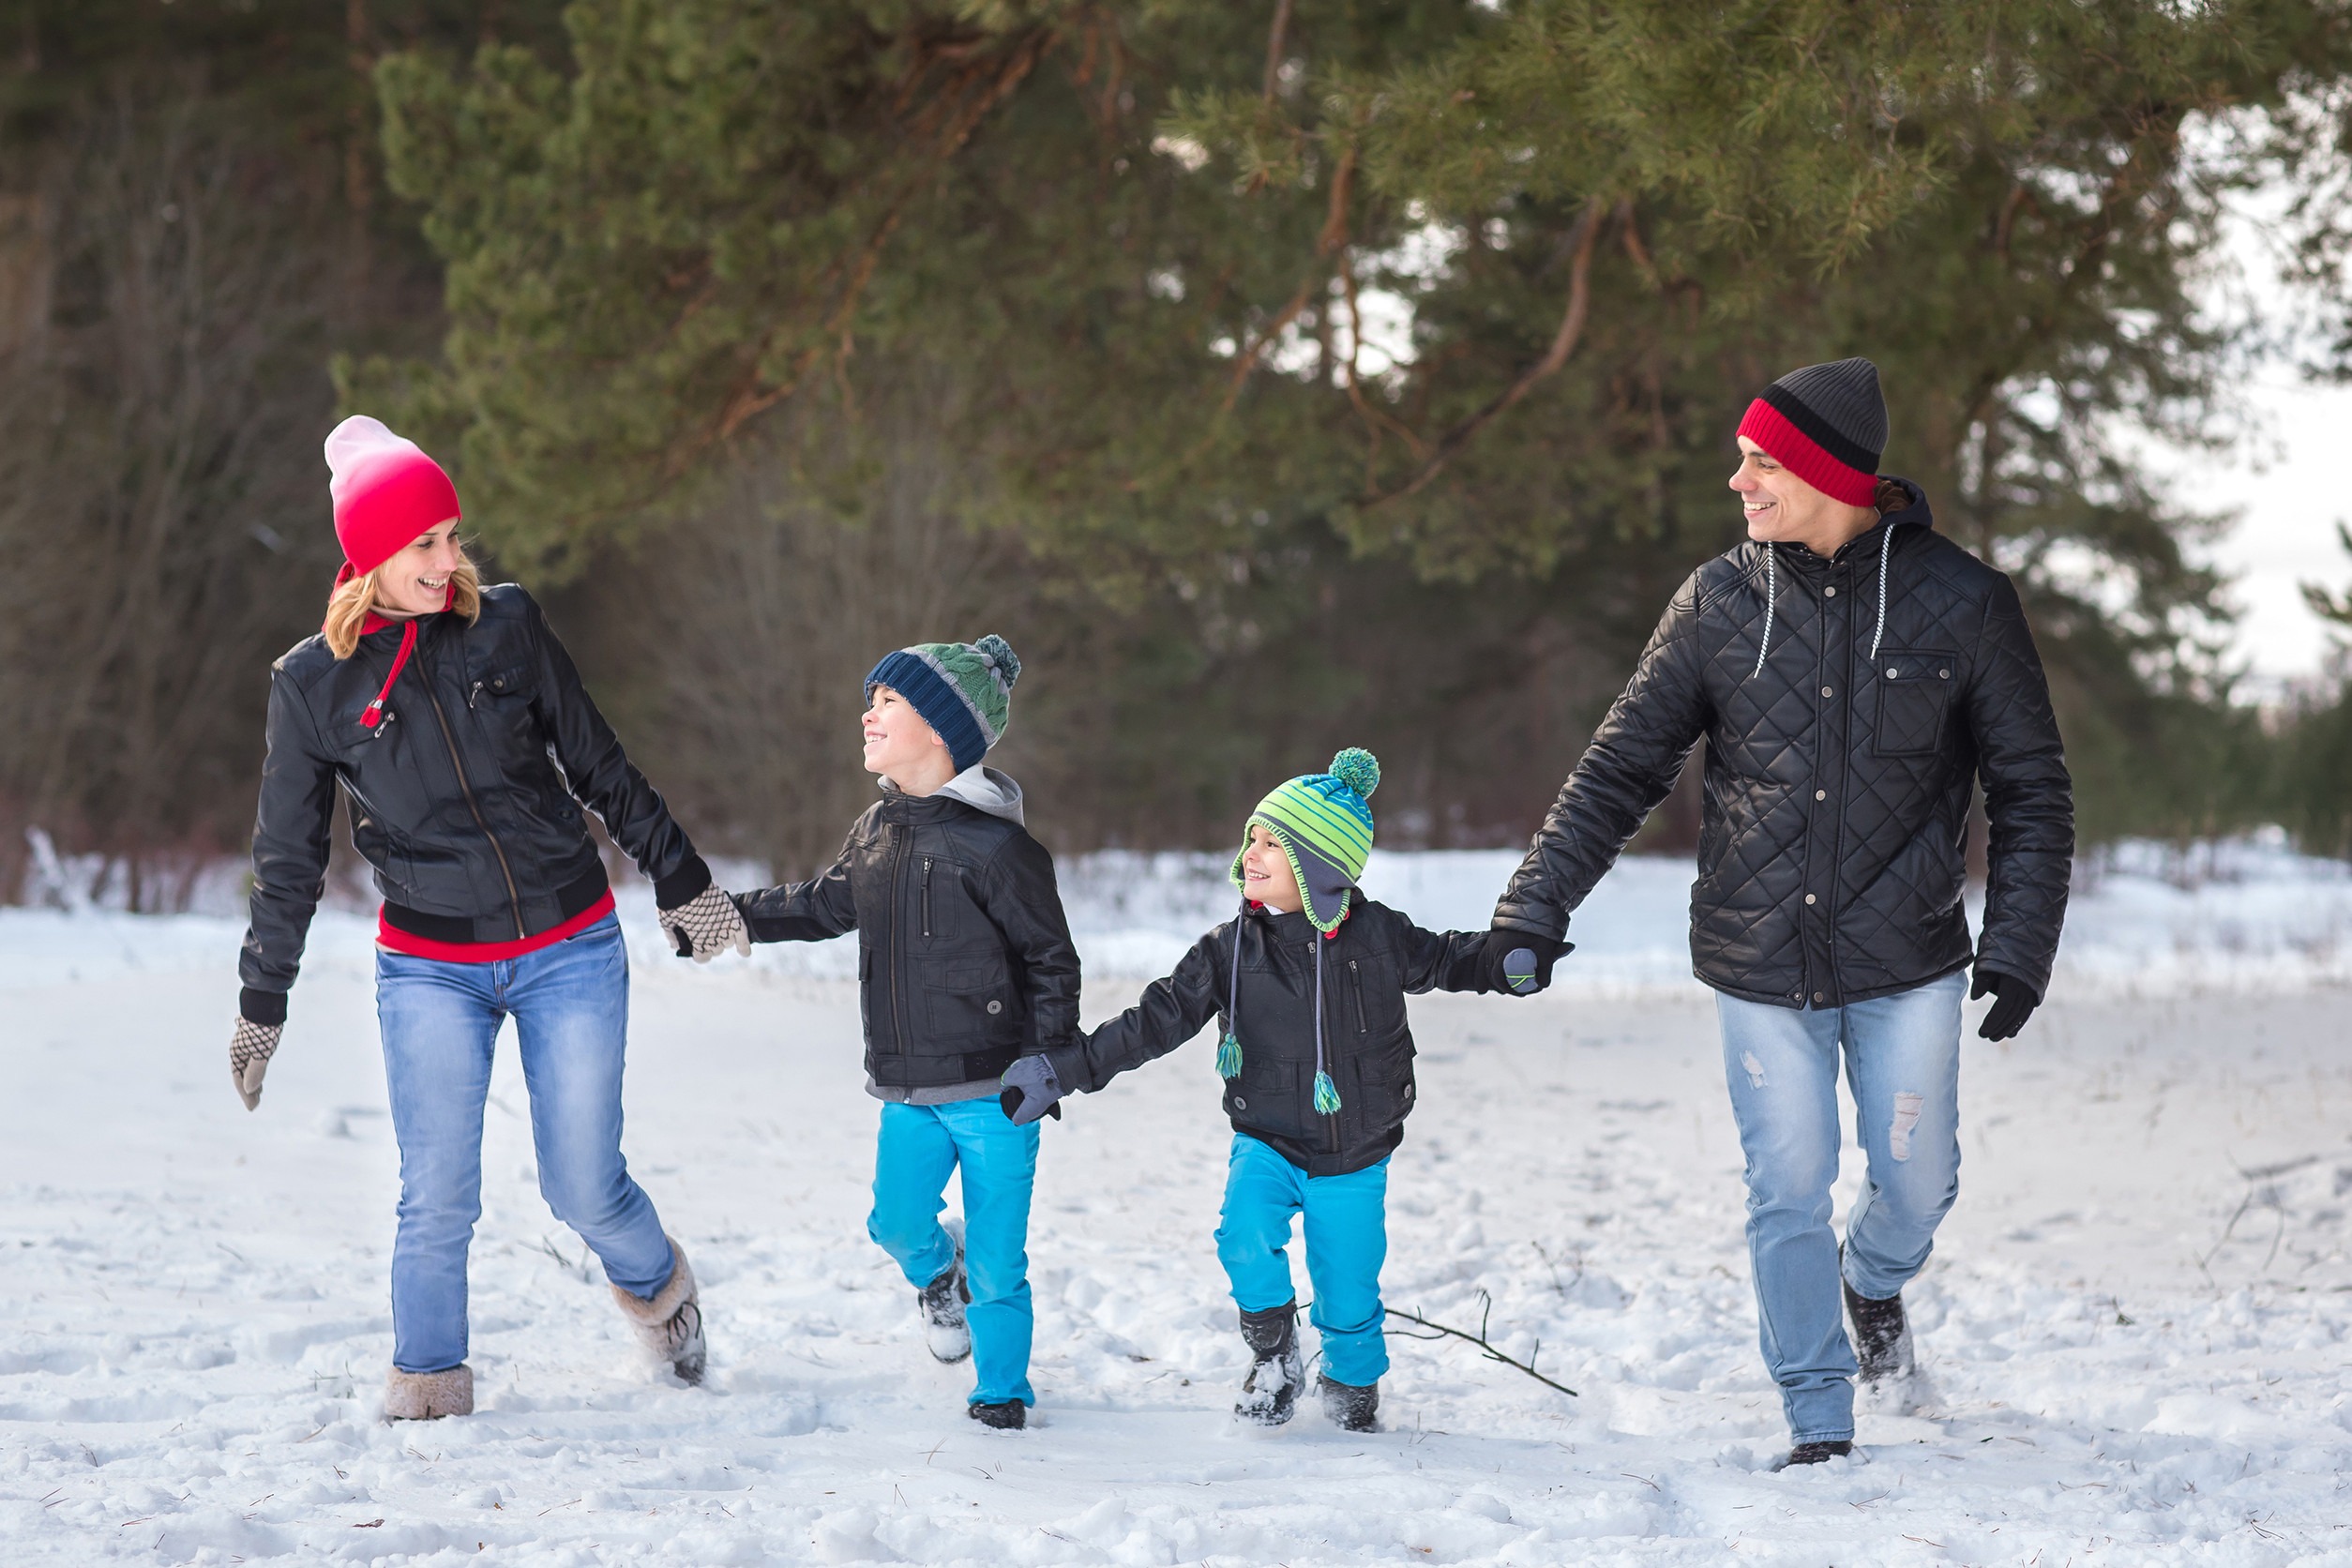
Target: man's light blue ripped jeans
[{"x": 1902, "y": 1057}]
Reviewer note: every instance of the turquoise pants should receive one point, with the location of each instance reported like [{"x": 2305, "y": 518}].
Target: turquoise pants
[
  {"x": 1347, "y": 1241},
  {"x": 918, "y": 1147}
]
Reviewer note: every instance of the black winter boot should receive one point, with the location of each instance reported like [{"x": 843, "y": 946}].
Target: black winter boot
[
  {"x": 941, "y": 1303},
  {"x": 1010, "y": 1416},
  {"x": 1353, "y": 1409},
  {"x": 1813, "y": 1454},
  {"x": 1882, "y": 1335},
  {"x": 1270, "y": 1395}
]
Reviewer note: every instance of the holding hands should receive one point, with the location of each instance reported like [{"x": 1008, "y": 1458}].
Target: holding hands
[
  {"x": 1519, "y": 962},
  {"x": 706, "y": 925},
  {"x": 1031, "y": 1089}
]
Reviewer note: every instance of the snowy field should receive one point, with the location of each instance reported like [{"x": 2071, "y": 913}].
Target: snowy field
[{"x": 2134, "y": 1331}]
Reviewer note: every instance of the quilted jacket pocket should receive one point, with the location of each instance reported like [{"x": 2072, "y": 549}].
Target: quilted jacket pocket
[{"x": 1914, "y": 688}]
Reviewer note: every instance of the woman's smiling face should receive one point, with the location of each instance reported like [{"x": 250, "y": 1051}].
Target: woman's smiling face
[{"x": 415, "y": 582}]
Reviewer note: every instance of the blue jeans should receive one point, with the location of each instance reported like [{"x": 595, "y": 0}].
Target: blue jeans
[
  {"x": 1346, "y": 1220},
  {"x": 917, "y": 1147},
  {"x": 1903, "y": 1062},
  {"x": 440, "y": 1022}
]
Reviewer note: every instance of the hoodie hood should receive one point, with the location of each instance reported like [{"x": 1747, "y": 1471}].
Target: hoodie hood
[{"x": 980, "y": 787}]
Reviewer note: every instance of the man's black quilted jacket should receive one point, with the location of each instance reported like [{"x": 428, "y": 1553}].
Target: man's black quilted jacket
[{"x": 1833, "y": 848}]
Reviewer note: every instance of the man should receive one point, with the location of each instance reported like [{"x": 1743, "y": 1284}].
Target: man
[{"x": 1853, "y": 674}]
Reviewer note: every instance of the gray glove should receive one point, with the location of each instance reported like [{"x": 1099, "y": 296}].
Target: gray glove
[
  {"x": 1031, "y": 1089},
  {"x": 250, "y": 1050},
  {"x": 706, "y": 925}
]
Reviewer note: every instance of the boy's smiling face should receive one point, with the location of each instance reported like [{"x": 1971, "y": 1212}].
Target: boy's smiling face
[
  {"x": 900, "y": 743},
  {"x": 1266, "y": 875}
]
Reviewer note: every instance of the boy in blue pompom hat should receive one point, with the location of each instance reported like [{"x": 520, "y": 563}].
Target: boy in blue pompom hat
[
  {"x": 1310, "y": 979},
  {"x": 965, "y": 966}
]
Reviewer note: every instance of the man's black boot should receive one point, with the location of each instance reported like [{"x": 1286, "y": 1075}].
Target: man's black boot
[
  {"x": 1814, "y": 1454},
  {"x": 1270, "y": 1395},
  {"x": 1882, "y": 1335}
]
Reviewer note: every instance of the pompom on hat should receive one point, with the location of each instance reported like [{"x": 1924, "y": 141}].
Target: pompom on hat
[
  {"x": 964, "y": 691},
  {"x": 1323, "y": 822},
  {"x": 387, "y": 491}
]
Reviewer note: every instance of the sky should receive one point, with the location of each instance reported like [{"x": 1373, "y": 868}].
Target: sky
[
  {"x": 2289, "y": 490},
  {"x": 2283, "y": 484}
]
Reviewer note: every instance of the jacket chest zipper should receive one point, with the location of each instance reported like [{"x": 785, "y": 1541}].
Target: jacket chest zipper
[
  {"x": 926, "y": 898},
  {"x": 1355, "y": 982},
  {"x": 514, "y": 898}
]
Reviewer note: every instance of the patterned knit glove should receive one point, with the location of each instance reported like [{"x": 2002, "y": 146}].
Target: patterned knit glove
[
  {"x": 250, "y": 1050},
  {"x": 705, "y": 926}
]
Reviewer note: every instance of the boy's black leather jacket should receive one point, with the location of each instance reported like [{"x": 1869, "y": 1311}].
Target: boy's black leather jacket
[
  {"x": 466, "y": 798},
  {"x": 1370, "y": 963},
  {"x": 964, "y": 959}
]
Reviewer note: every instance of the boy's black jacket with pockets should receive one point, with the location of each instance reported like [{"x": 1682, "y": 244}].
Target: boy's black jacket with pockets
[
  {"x": 964, "y": 959},
  {"x": 1377, "y": 957}
]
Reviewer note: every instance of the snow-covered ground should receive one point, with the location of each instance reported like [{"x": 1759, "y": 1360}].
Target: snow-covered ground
[{"x": 2134, "y": 1329}]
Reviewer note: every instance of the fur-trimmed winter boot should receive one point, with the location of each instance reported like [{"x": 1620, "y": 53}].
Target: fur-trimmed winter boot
[
  {"x": 1270, "y": 1393},
  {"x": 671, "y": 1325},
  {"x": 1350, "y": 1408},
  {"x": 428, "y": 1395},
  {"x": 941, "y": 1304}
]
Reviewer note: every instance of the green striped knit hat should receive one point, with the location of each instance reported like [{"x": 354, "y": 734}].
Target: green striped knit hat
[
  {"x": 1324, "y": 825},
  {"x": 964, "y": 691}
]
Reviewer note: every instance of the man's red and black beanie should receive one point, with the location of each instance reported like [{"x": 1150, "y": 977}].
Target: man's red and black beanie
[{"x": 1826, "y": 424}]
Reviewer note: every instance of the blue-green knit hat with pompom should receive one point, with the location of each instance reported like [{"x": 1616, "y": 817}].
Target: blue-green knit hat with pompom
[
  {"x": 1323, "y": 822},
  {"x": 964, "y": 691}
]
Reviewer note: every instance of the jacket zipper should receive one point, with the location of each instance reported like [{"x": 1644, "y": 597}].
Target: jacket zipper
[
  {"x": 1355, "y": 979},
  {"x": 926, "y": 898},
  {"x": 514, "y": 898},
  {"x": 1330, "y": 1056},
  {"x": 897, "y": 1019}
]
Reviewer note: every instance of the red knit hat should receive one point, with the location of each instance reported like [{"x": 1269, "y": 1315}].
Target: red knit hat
[
  {"x": 387, "y": 491},
  {"x": 1826, "y": 424}
]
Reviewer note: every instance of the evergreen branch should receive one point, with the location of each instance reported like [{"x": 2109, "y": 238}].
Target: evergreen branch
[
  {"x": 1275, "y": 38},
  {"x": 1587, "y": 231},
  {"x": 1480, "y": 1339}
]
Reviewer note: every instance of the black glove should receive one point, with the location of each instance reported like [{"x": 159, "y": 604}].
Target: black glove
[
  {"x": 1520, "y": 963},
  {"x": 1031, "y": 1089},
  {"x": 2014, "y": 1003}
]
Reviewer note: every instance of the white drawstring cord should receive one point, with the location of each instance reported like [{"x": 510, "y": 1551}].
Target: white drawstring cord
[
  {"x": 1772, "y": 592},
  {"x": 1886, "y": 548}
]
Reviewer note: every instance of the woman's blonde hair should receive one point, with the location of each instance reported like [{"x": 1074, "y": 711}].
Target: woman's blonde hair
[{"x": 347, "y": 610}]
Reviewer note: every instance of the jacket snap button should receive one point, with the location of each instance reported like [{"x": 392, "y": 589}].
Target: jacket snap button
[
  {"x": 1943, "y": 674},
  {"x": 1809, "y": 899},
  {"x": 1820, "y": 795},
  {"x": 1829, "y": 593},
  {"x": 1825, "y": 691},
  {"x": 1239, "y": 1104},
  {"x": 1818, "y": 996},
  {"x": 1892, "y": 673},
  {"x": 996, "y": 1006}
]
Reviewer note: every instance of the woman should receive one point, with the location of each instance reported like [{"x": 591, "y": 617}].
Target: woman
[{"x": 457, "y": 727}]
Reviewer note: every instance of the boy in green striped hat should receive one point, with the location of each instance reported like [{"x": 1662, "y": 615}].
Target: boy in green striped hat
[{"x": 1310, "y": 980}]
